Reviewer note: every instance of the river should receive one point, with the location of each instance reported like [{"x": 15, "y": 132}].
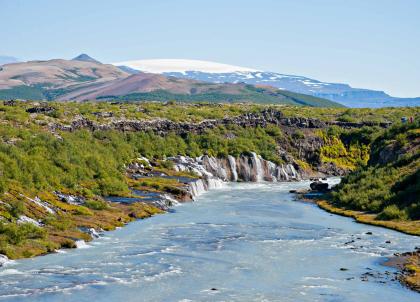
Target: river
[{"x": 242, "y": 242}]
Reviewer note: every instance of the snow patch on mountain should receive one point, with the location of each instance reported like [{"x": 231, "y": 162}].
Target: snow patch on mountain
[{"x": 179, "y": 65}]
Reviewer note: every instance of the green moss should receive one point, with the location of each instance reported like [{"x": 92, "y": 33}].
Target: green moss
[{"x": 348, "y": 157}]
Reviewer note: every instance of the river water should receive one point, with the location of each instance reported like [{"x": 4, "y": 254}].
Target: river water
[{"x": 243, "y": 242}]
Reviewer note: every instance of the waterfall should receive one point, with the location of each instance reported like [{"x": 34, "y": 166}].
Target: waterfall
[
  {"x": 214, "y": 183},
  {"x": 197, "y": 187},
  {"x": 244, "y": 169},
  {"x": 170, "y": 200},
  {"x": 271, "y": 170},
  {"x": 281, "y": 173},
  {"x": 214, "y": 172},
  {"x": 292, "y": 172},
  {"x": 81, "y": 244},
  {"x": 256, "y": 163},
  {"x": 201, "y": 185},
  {"x": 232, "y": 166}
]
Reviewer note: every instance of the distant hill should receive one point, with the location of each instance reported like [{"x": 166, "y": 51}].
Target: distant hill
[
  {"x": 152, "y": 87},
  {"x": 128, "y": 69},
  {"x": 84, "y": 78},
  {"x": 85, "y": 58},
  {"x": 221, "y": 73},
  {"x": 53, "y": 78}
]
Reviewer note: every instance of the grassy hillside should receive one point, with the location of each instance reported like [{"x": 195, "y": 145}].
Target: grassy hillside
[
  {"x": 250, "y": 94},
  {"x": 22, "y": 92},
  {"x": 389, "y": 185}
]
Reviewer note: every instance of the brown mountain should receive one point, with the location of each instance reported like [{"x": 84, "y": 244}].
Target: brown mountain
[{"x": 57, "y": 73}]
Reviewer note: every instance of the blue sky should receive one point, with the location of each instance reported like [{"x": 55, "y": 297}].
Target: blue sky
[{"x": 366, "y": 43}]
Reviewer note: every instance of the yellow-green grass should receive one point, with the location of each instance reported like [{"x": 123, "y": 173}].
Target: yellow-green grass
[{"x": 404, "y": 226}]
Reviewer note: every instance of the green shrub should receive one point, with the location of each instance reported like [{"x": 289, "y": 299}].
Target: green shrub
[
  {"x": 59, "y": 223},
  {"x": 392, "y": 212},
  {"x": 346, "y": 118},
  {"x": 83, "y": 211},
  {"x": 96, "y": 204},
  {"x": 17, "y": 208},
  {"x": 298, "y": 134},
  {"x": 391, "y": 189},
  {"x": 17, "y": 233},
  {"x": 166, "y": 164}
]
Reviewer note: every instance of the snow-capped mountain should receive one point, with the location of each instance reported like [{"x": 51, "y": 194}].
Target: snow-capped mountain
[
  {"x": 163, "y": 66},
  {"x": 221, "y": 73}
]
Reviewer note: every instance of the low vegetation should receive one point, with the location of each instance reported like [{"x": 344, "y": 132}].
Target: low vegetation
[
  {"x": 249, "y": 94},
  {"x": 390, "y": 185}
]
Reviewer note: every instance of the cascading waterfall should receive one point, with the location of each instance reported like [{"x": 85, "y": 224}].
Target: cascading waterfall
[
  {"x": 281, "y": 173},
  {"x": 172, "y": 201},
  {"x": 271, "y": 167},
  {"x": 256, "y": 162},
  {"x": 232, "y": 166},
  {"x": 197, "y": 187},
  {"x": 214, "y": 172}
]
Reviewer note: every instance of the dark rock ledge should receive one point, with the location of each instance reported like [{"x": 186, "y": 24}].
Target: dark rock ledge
[{"x": 163, "y": 126}]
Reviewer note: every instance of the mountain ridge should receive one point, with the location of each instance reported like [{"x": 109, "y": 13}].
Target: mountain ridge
[
  {"x": 84, "y": 78},
  {"x": 338, "y": 92}
]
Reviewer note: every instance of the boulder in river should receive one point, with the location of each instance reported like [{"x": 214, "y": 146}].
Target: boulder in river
[{"x": 319, "y": 186}]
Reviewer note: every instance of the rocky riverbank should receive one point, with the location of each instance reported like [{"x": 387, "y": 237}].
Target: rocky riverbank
[
  {"x": 408, "y": 263},
  {"x": 409, "y": 266}
]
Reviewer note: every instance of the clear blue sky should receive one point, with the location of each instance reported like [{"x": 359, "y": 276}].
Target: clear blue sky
[{"x": 366, "y": 43}]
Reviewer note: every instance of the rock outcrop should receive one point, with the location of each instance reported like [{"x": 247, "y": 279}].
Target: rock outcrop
[
  {"x": 319, "y": 186},
  {"x": 40, "y": 109},
  {"x": 70, "y": 199},
  {"x": 163, "y": 126}
]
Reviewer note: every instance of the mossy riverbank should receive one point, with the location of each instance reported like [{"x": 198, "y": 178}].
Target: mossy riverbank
[
  {"x": 408, "y": 263},
  {"x": 410, "y": 227}
]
